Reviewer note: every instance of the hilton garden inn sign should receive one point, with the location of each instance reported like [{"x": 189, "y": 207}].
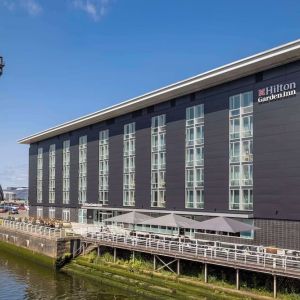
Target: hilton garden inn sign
[{"x": 276, "y": 92}]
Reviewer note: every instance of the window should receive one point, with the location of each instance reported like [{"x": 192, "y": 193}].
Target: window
[
  {"x": 40, "y": 176},
  {"x": 241, "y": 151},
  {"x": 39, "y": 212},
  {"x": 66, "y": 172},
  {"x": 103, "y": 166},
  {"x": 129, "y": 165},
  {"x": 51, "y": 213},
  {"x": 82, "y": 216},
  {"x": 158, "y": 161},
  {"x": 82, "y": 187},
  {"x": 52, "y": 173},
  {"x": 234, "y": 152},
  {"x": 194, "y": 159},
  {"x": 66, "y": 215}
]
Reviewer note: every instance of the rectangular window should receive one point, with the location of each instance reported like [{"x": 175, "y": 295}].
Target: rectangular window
[
  {"x": 103, "y": 166},
  {"x": 241, "y": 151},
  {"x": 82, "y": 216},
  {"x": 66, "y": 215},
  {"x": 52, "y": 173},
  {"x": 39, "y": 189},
  {"x": 39, "y": 212},
  {"x": 82, "y": 187},
  {"x": 51, "y": 213},
  {"x": 158, "y": 161},
  {"x": 194, "y": 158},
  {"x": 66, "y": 172}
]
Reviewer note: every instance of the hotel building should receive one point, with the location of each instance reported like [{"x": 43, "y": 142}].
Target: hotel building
[{"x": 222, "y": 143}]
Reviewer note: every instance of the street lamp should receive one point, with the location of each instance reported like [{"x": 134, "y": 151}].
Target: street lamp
[{"x": 1, "y": 65}]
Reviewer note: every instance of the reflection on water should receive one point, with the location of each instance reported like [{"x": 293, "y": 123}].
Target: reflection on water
[{"x": 21, "y": 279}]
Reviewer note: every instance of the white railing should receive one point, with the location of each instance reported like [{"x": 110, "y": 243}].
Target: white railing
[
  {"x": 194, "y": 249},
  {"x": 36, "y": 229}
]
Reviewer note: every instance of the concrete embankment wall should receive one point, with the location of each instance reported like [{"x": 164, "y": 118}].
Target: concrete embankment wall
[{"x": 51, "y": 248}]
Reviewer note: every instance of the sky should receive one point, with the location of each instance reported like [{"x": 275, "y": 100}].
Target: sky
[{"x": 68, "y": 58}]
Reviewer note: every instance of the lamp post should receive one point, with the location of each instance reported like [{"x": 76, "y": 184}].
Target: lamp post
[{"x": 1, "y": 65}]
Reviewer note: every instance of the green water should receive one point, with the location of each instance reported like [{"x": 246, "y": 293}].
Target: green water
[{"x": 21, "y": 279}]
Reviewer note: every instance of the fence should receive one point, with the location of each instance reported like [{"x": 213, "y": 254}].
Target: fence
[
  {"x": 195, "y": 250},
  {"x": 36, "y": 229}
]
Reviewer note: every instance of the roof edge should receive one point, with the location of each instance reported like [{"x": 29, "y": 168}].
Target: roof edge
[{"x": 162, "y": 93}]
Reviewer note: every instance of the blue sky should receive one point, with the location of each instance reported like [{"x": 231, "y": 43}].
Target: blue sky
[{"x": 67, "y": 58}]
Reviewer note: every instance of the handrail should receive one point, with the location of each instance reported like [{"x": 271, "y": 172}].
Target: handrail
[
  {"x": 41, "y": 230},
  {"x": 261, "y": 259}
]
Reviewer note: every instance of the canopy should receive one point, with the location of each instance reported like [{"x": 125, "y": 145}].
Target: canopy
[
  {"x": 226, "y": 225},
  {"x": 173, "y": 220},
  {"x": 129, "y": 218}
]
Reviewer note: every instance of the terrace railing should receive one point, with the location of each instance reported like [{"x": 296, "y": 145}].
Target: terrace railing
[
  {"x": 40, "y": 230},
  {"x": 194, "y": 250}
]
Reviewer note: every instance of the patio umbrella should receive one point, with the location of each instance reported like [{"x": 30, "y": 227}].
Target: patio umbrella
[
  {"x": 173, "y": 220},
  {"x": 226, "y": 225},
  {"x": 129, "y": 218}
]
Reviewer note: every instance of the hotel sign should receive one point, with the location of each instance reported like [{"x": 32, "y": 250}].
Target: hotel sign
[{"x": 276, "y": 92}]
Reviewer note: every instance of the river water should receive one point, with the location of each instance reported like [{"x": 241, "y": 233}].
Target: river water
[
  {"x": 20, "y": 280},
  {"x": 24, "y": 280}
]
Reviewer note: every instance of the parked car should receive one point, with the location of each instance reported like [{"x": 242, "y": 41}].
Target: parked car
[
  {"x": 14, "y": 211},
  {"x": 3, "y": 209}
]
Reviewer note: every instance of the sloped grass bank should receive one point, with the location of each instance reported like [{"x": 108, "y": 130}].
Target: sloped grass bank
[{"x": 135, "y": 277}]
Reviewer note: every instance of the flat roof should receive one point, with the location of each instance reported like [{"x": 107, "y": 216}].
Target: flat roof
[{"x": 250, "y": 65}]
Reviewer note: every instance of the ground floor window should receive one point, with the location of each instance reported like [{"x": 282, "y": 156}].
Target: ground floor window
[
  {"x": 66, "y": 214},
  {"x": 39, "y": 212},
  {"x": 241, "y": 199},
  {"x": 51, "y": 212},
  {"x": 100, "y": 216},
  {"x": 82, "y": 216}
]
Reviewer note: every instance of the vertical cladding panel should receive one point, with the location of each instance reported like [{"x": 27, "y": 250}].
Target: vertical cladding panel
[
  {"x": 93, "y": 165},
  {"x": 175, "y": 159},
  {"x": 45, "y": 146},
  {"x": 74, "y": 160},
  {"x": 216, "y": 144},
  {"x": 115, "y": 178},
  {"x": 32, "y": 180},
  {"x": 143, "y": 162},
  {"x": 276, "y": 150},
  {"x": 58, "y": 173}
]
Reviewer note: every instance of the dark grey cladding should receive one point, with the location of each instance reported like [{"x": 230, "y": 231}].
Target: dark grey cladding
[{"x": 276, "y": 151}]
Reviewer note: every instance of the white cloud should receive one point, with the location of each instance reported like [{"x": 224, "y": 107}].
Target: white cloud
[
  {"x": 96, "y": 9},
  {"x": 14, "y": 175},
  {"x": 32, "y": 7}
]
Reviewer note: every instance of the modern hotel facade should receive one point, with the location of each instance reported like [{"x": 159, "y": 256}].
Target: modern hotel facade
[{"x": 222, "y": 143}]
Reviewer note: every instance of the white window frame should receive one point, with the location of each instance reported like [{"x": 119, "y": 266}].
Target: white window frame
[
  {"x": 158, "y": 161},
  {"x": 66, "y": 214},
  {"x": 194, "y": 157},
  {"x": 103, "y": 181},
  {"x": 66, "y": 171},
  {"x": 241, "y": 163},
  {"x": 82, "y": 176}
]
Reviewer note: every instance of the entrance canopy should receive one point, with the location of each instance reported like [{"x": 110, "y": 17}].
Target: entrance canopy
[
  {"x": 129, "y": 218},
  {"x": 226, "y": 225},
  {"x": 173, "y": 220}
]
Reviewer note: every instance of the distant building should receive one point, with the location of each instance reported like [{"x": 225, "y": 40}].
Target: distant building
[{"x": 15, "y": 193}]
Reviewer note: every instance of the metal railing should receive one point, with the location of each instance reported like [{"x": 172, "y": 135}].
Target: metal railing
[
  {"x": 40, "y": 230},
  {"x": 193, "y": 249}
]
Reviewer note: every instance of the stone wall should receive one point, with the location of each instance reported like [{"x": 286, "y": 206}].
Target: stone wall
[{"x": 53, "y": 248}]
